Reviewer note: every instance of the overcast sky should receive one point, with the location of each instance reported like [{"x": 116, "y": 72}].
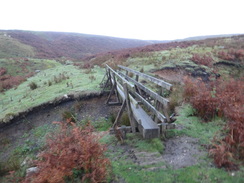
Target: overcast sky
[{"x": 140, "y": 19}]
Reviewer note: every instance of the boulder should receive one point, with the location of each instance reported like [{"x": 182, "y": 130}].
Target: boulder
[{"x": 32, "y": 170}]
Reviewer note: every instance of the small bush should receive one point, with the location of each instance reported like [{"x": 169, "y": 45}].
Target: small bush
[
  {"x": 49, "y": 83},
  {"x": 70, "y": 154},
  {"x": 88, "y": 71},
  {"x": 8, "y": 81},
  {"x": 87, "y": 66},
  {"x": 112, "y": 118},
  {"x": 33, "y": 85},
  {"x": 12, "y": 164},
  {"x": 205, "y": 59},
  {"x": 222, "y": 99},
  {"x": 125, "y": 120},
  {"x": 60, "y": 77},
  {"x": 67, "y": 115},
  {"x": 92, "y": 78},
  {"x": 232, "y": 55},
  {"x": 3, "y": 71}
]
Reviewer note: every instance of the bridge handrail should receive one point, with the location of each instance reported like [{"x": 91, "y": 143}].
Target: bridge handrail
[
  {"x": 150, "y": 78},
  {"x": 152, "y": 94}
]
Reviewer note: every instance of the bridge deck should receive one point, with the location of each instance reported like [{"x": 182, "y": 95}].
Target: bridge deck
[{"x": 147, "y": 127}]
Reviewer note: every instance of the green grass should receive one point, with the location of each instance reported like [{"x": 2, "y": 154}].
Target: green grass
[
  {"x": 10, "y": 47},
  {"x": 152, "y": 145},
  {"x": 131, "y": 173},
  {"x": 18, "y": 100},
  {"x": 125, "y": 170},
  {"x": 102, "y": 124},
  {"x": 175, "y": 58},
  {"x": 15, "y": 68},
  {"x": 194, "y": 127}
]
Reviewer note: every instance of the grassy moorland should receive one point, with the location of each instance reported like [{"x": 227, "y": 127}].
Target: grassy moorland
[
  {"x": 126, "y": 169},
  {"x": 222, "y": 56},
  {"x": 10, "y": 47},
  {"x": 47, "y": 85},
  {"x": 207, "y": 76}
]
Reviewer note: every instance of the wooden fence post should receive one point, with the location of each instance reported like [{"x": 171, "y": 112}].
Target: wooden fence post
[
  {"x": 127, "y": 99},
  {"x": 119, "y": 114}
]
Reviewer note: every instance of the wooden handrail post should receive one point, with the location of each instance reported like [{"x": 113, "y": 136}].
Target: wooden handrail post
[{"x": 127, "y": 99}]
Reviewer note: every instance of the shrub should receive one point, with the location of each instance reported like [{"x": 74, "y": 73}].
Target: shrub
[
  {"x": 8, "y": 81},
  {"x": 3, "y": 71},
  {"x": 92, "y": 78},
  {"x": 68, "y": 116},
  {"x": 112, "y": 117},
  {"x": 49, "y": 83},
  {"x": 33, "y": 85},
  {"x": 125, "y": 120},
  {"x": 205, "y": 59},
  {"x": 12, "y": 164},
  {"x": 223, "y": 99},
  {"x": 60, "y": 77},
  {"x": 232, "y": 55},
  {"x": 87, "y": 66},
  {"x": 70, "y": 154},
  {"x": 88, "y": 71}
]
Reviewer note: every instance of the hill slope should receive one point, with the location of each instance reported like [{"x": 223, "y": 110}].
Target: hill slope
[{"x": 59, "y": 44}]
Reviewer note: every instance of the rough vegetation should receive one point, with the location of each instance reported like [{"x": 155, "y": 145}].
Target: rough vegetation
[
  {"x": 74, "y": 153},
  {"x": 223, "y": 99},
  {"x": 207, "y": 99},
  {"x": 59, "y": 81}
]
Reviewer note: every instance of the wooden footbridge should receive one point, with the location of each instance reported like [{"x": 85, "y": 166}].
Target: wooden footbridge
[{"x": 147, "y": 109}]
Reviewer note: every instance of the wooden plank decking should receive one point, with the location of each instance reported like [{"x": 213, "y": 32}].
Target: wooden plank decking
[{"x": 147, "y": 127}]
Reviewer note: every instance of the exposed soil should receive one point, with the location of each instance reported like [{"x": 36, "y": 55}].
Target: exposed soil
[
  {"x": 11, "y": 136},
  {"x": 180, "y": 152},
  {"x": 175, "y": 75},
  {"x": 178, "y": 74}
]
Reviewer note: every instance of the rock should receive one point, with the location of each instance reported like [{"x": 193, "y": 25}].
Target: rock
[{"x": 32, "y": 170}]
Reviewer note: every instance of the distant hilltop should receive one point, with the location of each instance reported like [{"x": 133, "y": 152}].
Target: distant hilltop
[{"x": 17, "y": 43}]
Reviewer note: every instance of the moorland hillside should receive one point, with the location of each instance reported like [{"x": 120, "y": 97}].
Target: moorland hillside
[
  {"x": 206, "y": 100},
  {"x": 16, "y": 43}
]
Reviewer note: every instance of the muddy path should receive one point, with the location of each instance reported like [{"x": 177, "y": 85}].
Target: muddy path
[
  {"x": 90, "y": 108},
  {"x": 179, "y": 152}
]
